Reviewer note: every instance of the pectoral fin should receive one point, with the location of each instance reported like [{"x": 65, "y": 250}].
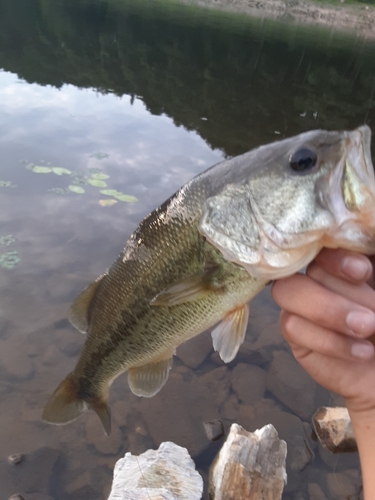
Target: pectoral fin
[
  {"x": 189, "y": 289},
  {"x": 78, "y": 314},
  {"x": 147, "y": 380},
  {"x": 230, "y": 333}
]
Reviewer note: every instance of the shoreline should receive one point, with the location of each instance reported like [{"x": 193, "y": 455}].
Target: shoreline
[{"x": 353, "y": 19}]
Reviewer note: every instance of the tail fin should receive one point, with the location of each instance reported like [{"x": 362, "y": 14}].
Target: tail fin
[{"x": 66, "y": 405}]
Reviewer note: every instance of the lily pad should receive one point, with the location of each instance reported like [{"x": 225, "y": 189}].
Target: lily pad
[
  {"x": 76, "y": 189},
  {"x": 38, "y": 169},
  {"x": 97, "y": 183},
  {"x": 94, "y": 170},
  {"x": 126, "y": 197},
  {"x": 107, "y": 203},
  {"x": 58, "y": 190},
  {"x": 7, "y": 240},
  {"x": 118, "y": 195},
  {"x": 99, "y": 176},
  {"x": 60, "y": 171},
  {"x": 6, "y": 184},
  {"x": 9, "y": 259},
  {"x": 110, "y": 192},
  {"x": 79, "y": 180},
  {"x": 99, "y": 156}
]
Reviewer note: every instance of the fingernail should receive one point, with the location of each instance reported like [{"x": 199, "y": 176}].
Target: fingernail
[
  {"x": 361, "y": 323},
  {"x": 355, "y": 268},
  {"x": 363, "y": 350}
]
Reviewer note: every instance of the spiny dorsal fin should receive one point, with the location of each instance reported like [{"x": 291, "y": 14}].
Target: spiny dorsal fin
[
  {"x": 78, "y": 314},
  {"x": 147, "y": 380},
  {"x": 230, "y": 333}
]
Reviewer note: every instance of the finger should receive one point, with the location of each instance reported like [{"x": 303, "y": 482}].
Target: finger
[
  {"x": 360, "y": 293},
  {"x": 304, "y": 337},
  {"x": 301, "y": 295},
  {"x": 345, "y": 264}
]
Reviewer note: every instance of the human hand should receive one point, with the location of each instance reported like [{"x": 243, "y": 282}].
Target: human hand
[{"x": 327, "y": 316}]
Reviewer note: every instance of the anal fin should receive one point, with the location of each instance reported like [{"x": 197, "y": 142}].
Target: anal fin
[
  {"x": 147, "y": 380},
  {"x": 229, "y": 334}
]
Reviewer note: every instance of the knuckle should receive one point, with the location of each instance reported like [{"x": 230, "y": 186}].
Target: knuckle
[{"x": 289, "y": 325}]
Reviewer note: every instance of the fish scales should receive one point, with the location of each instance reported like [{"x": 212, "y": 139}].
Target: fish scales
[
  {"x": 198, "y": 259},
  {"x": 137, "y": 281}
]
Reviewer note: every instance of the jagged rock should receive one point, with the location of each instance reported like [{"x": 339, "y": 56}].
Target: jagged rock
[
  {"x": 164, "y": 474},
  {"x": 289, "y": 427},
  {"x": 334, "y": 429},
  {"x": 214, "y": 429},
  {"x": 249, "y": 465},
  {"x": 290, "y": 384},
  {"x": 249, "y": 382}
]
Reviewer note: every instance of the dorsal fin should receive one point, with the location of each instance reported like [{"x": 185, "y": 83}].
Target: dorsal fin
[{"x": 78, "y": 314}]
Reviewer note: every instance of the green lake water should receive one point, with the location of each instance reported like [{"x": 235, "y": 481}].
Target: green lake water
[{"x": 142, "y": 96}]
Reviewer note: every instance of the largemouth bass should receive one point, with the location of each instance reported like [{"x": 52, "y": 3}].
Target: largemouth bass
[{"x": 198, "y": 259}]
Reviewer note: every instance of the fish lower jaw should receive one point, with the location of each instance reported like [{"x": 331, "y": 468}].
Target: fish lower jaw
[
  {"x": 283, "y": 263},
  {"x": 354, "y": 236}
]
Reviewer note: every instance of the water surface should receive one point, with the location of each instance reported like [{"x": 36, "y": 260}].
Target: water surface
[{"x": 149, "y": 94}]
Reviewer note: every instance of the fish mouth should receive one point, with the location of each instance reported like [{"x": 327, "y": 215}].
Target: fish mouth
[{"x": 350, "y": 194}]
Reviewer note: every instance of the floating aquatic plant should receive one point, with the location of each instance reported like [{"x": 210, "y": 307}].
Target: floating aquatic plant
[
  {"x": 97, "y": 180},
  {"x": 97, "y": 183},
  {"x": 99, "y": 175},
  {"x": 94, "y": 170},
  {"x": 79, "y": 179},
  {"x": 118, "y": 195},
  {"x": 39, "y": 169},
  {"x": 9, "y": 259},
  {"x": 58, "y": 190},
  {"x": 76, "y": 189},
  {"x": 107, "y": 203},
  {"x": 7, "y": 184},
  {"x": 61, "y": 171},
  {"x": 7, "y": 240},
  {"x": 99, "y": 156}
]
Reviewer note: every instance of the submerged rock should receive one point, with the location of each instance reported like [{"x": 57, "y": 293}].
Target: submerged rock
[
  {"x": 334, "y": 429},
  {"x": 291, "y": 385},
  {"x": 249, "y": 465},
  {"x": 16, "y": 458},
  {"x": 214, "y": 429},
  {"x": 164, "y": 474},
  {"x": 249, "y": 383}
]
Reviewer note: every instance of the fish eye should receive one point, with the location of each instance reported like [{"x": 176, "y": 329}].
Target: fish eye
[{"x": 303, "y": 159}]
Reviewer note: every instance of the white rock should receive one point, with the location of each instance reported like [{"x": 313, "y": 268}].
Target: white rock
[
  {"x": 164, "y": 474},
  {"x": 249, "y": 465},
  {"x": 334, "y": 429}
]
